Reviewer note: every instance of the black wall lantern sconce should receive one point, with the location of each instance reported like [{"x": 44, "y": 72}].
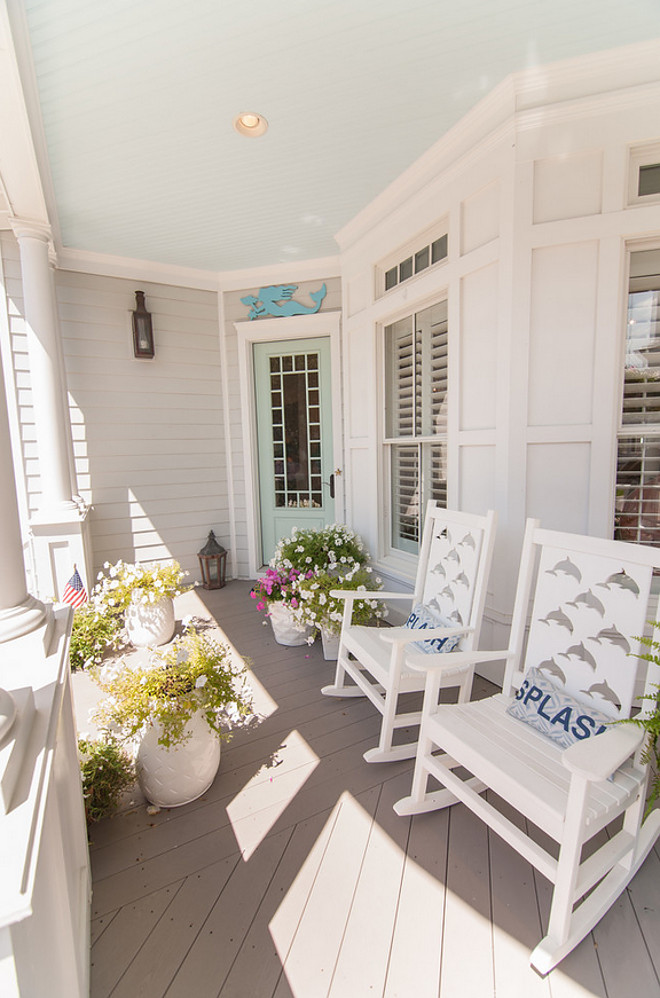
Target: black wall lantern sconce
[
  {"x": 213, "y": 563},
  {"x": 143, "y": 333}
]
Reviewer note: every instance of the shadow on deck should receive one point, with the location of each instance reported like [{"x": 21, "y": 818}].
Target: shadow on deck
[{"x": 292, "y": 876}]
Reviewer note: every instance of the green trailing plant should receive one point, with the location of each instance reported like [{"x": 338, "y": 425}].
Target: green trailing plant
[
  {"x": 195, "y": 673},
  {"x": 317, "y": 607},
  {"x": 650, "y": 722},
  {"x": 107, "y": 771},
  {"x": 93, "y": 632}
]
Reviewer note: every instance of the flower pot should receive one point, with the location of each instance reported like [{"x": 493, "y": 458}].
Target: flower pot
[
  {"x": 149, "y": 623},
  {"x": 286, "y": 629},
  {"x": 330, "y": 644},
  {"x": 170, "y": 777}
]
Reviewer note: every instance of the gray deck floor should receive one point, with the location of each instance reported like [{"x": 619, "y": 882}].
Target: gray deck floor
[{"x": 293, "y": 877}]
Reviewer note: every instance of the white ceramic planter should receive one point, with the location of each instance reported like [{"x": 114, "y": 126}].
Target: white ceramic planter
[
  {"x": 286, "y": 630},
  {"x": 170, "y": 777},
  {"x": 149, "y": 624},
  {"x": 330, "y": 644}
]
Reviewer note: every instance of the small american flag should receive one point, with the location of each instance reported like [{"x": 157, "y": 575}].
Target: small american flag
[{"x": 74, "y": 591}]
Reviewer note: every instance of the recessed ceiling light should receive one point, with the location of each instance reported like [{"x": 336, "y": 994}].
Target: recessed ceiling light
[{"x": 250, "y": 123}]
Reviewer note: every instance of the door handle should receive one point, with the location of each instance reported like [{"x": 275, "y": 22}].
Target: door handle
[{"x": 331, "y": 483}]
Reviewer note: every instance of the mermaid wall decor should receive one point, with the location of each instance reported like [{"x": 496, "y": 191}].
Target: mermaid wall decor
[{"x": 278, "y": 301}]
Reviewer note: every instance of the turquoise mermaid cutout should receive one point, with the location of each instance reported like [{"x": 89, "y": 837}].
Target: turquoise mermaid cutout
[{"x": 277, "y": 300}]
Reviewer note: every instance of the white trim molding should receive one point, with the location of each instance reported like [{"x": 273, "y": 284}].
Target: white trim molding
[{"x": 296, "y": 327}]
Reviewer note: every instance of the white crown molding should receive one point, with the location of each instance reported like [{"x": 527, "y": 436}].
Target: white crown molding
[
  {"x": 104, "y": 265},
  {"x": 581, "y": 107},
  {"x": 278, "y": 273},
  {"x": 588, "y": 75},
  {"x": 85, "y": 262},
  {"x": 487, "y": 117},
  {"x": 614, "y": 79}
]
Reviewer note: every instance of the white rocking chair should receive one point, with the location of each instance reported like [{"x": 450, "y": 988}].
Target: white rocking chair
[
  {"x": 591, "y": 602},
  {"x": 454, "y": 562}
]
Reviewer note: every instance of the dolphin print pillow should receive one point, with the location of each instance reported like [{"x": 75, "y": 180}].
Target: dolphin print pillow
[
  {"x": 420, "y": 617},
  {"x": 555, "y": 713}
]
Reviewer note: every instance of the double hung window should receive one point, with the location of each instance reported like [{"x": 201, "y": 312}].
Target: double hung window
[
  {"x": 415, "y": 420},
  {"x": 638, "y": 460}
]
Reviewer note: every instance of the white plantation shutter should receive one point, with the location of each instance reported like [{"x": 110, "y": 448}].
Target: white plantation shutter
[
  {"x": 416, "y": 419},
  {"x": 638, "y": 459}
]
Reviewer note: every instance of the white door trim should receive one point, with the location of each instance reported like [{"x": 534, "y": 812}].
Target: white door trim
[{"x": 295, "y": 327}]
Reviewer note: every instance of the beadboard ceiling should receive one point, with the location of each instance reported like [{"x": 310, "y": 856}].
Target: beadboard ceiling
[{"x": 134, "y": 101}]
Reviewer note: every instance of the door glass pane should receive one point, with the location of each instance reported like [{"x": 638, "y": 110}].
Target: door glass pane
[{"x": 296, "y": 422}]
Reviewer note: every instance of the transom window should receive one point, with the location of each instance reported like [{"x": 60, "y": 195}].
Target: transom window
[
  {"x": 417, "y": 256},
  {"x": 649, "y": 180},
  {"x": 415, "y": 420},
  {"x": 638, "y": 461}
]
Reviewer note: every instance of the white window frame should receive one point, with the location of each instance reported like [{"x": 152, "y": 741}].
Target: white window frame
[
  {"x": 395, "y": 557},
  {"x": 644, "y": 155},
  {"x": 411, "y": 249},
  {"x": 629, "y": 430}
]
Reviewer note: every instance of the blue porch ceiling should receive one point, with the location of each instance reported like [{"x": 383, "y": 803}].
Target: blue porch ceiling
[{"x": 137, "y": 99}]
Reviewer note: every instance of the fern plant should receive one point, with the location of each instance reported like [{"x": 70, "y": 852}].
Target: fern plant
[{"x": 650, "y": 722}]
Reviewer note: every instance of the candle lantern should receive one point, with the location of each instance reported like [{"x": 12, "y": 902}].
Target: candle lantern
[
  {"x": 213, "y": 563},
  {"x": 143, "y": 333}
]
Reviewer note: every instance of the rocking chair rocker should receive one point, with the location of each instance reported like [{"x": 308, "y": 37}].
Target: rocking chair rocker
[
  {"x": 454, "y": 562},
  {"x": 547, "y": 745}
]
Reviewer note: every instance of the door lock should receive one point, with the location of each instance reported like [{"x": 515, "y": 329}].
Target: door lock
[{"x": 331, "y": 483}]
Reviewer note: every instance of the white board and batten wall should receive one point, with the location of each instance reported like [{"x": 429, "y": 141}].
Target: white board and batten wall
[{"x": 535, "y": 186}]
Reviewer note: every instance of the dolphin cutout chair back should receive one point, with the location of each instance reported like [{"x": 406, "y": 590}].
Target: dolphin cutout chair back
[
  {"x": 445, "y": 612},
  {"x": 549, "y": 744}
]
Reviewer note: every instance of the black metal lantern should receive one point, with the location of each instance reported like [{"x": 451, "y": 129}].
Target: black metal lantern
[
  {"x": 143, "y": 334},
  {"x": 213, "y": 563}
]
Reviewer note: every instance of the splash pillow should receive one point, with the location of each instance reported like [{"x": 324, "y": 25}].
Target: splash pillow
[
  {"x": 555, "y": 713},
  {"x": 421, "y": 616}
]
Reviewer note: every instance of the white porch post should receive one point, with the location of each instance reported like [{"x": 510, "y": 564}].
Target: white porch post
[
  {"x": 59, "y": 527},
  {"x": 20, "y": 613},
  {"x": 45, "y": 369}
]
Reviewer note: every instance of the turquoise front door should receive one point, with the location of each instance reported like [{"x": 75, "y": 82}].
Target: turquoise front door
[{"x": 294, "y": 434}]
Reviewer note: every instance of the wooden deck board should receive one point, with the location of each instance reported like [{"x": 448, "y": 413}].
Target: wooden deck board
[
  {"x": 310, "y": 963},
  {"x": 292, "y": 877},
  {"x": 257, "y": 969},
  {"x": 417, "y": 941},
  {"x": 467, "y": 946}
]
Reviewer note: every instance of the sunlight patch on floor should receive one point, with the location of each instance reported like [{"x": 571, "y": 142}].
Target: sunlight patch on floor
[
  {"x": 258, "y": 806},
  {"x": 308, "y": 926},
  {"x": 190, "y": 604}
]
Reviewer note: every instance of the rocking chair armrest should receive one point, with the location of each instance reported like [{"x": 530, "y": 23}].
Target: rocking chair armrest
[
  {"x": 597, "y": 758},
  {"x": 371, "y": 593},
  {"x": 408, "y": 635},
  {"x": 453, "y": 659}
]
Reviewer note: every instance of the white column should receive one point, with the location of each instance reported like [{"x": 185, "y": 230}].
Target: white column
[
  {"x": 59, "y": 528},
  {"x": 20, "y": 613},
  {"x": 44, "y": 350}
]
